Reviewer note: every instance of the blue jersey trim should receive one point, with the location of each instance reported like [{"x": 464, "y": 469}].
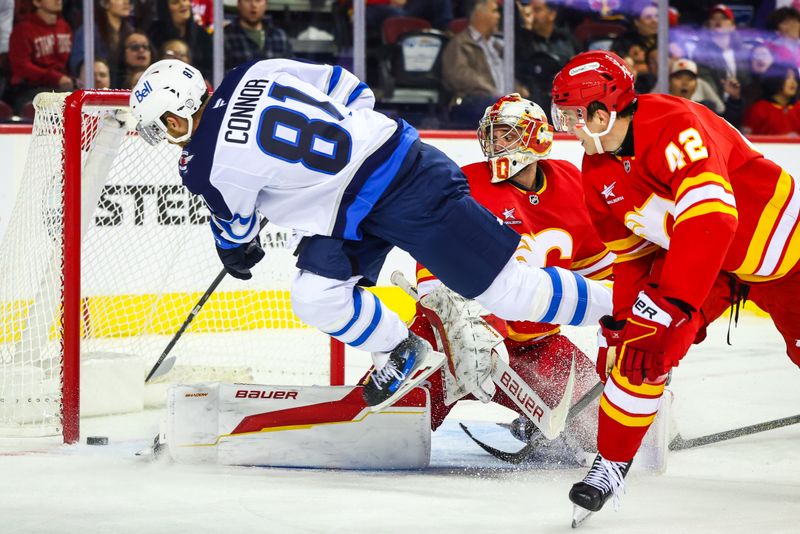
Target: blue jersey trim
[
  {"x": 199, "y": 152},
  {"x": 583, "y": 300},
  {"x": 558, "y": 290},
  {"x": 371, "y": 180},
  {"x": 356, "y": 313},
  {"x": 376, "y": 318},
  {"x": 335, "y": 76},
  {"x": 356, "y": 93}
]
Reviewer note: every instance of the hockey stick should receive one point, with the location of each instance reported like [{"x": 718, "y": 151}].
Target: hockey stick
[
  {"x": 164, "y": 364},
  {"x": 525, "y": 452},
  {"x": 679, "y": 444}
]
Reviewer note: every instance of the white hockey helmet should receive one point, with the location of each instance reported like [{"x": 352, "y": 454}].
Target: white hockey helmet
[
  {"x": 167, "y": 85},
  {"x": 525, "y": 133}
]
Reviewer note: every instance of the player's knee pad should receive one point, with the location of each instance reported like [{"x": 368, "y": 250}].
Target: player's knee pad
[
  {"x": 321, "y": 301},
  {"x": 346, "y": 312}
]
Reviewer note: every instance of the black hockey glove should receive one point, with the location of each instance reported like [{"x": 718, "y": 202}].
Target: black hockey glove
[{"x": 239, "y": 260}]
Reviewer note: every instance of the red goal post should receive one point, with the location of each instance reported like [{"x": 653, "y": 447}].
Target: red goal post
[{"x": 103, "y": 258}]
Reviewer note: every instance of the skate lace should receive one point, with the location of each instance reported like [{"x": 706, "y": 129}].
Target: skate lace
[
  {"x": 385, "y": 374},
  {"x": 608, "y": 476}
]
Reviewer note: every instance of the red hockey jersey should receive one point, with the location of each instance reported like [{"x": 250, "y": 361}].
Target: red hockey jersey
[
  {"x": 696, "y": 187},
  {"x": 556, "y": 229}
]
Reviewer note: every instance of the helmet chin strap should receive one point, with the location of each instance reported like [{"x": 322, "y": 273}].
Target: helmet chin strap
[
  {"x": 596, "y": 136},
  {"x": 184, "y": 137}
]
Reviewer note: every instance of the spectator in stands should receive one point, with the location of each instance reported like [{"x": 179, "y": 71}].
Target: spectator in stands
[
  {"x": 252, "y": 35},
  {"x": 176, "y": 49},
  {"x": 542, "y": 48},
  {"x": 438, "y": 12},
  {"x": 38, "y": 50},
  {"x": 6, "y": 22},
  {"x": 133, "y": 78},
  {"x": 137, "y": 56},
  {"x": 776, "y": 113},
  {"x": 102, "y": 75},
  {"x": 545, "y": 35},
  {"x": 760, "y": 60},
  {"x": 175, "y": 20},
  {"x": 785, "y": 43},
  {"x": 111, "y": 29},
  {"x": 641, "y": 38},
  {"x": 472, "y": 65},
  {"x": 720, "y": 55},
  {"x": 684, "y": 82}
]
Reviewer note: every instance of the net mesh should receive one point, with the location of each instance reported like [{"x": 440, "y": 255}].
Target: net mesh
[{"x": 147, "y": 256}]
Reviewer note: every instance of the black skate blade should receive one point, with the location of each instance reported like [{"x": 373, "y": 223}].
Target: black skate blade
[{"x": 580, "y": 515}]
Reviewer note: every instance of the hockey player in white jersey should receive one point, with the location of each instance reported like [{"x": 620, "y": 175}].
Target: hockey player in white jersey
[{"x": 300, "y": 144}]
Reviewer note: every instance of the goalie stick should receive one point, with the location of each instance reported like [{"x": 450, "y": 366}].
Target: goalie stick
[
  {"x": 164, "y": 364},
  {"x": 679, "y": 444},
  {"x": 527, "y": 451}
]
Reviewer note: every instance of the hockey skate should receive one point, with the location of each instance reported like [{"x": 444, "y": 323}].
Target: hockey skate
[
  {"x": 605, "y": 479},
  {"x": 411, "y": 362}
]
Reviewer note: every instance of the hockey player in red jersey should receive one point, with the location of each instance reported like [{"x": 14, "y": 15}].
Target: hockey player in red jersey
[
  {"x": 542, "y": 200},
  {"x": 692, "y": 212}
]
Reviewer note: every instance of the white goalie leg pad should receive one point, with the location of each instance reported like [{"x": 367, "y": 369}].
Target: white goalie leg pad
[
  {"x": 551, "y": 295},
  {"x": 653, "y": 452},
  {"x": 348, "y": 313},
  {"x": 319, "y": 427},
  {"x": 468, "y": 341}
]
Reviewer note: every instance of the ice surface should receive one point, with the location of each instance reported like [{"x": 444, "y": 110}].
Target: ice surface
[{"x": 747, "y": 485}]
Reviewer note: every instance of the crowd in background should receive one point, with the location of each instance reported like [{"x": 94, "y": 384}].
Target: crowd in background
[{"x": 740, "y": 59}]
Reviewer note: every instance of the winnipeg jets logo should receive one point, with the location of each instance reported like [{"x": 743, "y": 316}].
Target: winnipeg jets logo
[
  {"x": 608, "y": 191},
  {"x": 219, "y": 104},
  {"x": 183, "y": 163}
]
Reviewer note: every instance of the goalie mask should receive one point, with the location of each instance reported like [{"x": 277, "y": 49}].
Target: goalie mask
[
  {"x": 171, "y": 86},
  {"x": 514, "y": 133}
]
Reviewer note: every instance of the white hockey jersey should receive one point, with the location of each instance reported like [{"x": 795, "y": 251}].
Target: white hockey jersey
[{"x": 297, "y": 142}]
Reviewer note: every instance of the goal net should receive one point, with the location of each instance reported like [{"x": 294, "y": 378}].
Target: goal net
[{"x": 103, "y": 258}]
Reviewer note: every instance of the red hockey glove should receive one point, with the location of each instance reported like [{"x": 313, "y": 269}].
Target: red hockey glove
[
  {"x": 657, "y": 334},
  {"x": 608, "y": 337}
]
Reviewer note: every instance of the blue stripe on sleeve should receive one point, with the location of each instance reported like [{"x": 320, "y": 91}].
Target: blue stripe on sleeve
[
  {"x": 356, "y": 93},
  {"x": 557, "y": 294},
  {"x": 583, "y": 300},
  {"x": 356, "y": 313},
  {"x": 335, "y": 75},
  {"x": 376, "y": 318}
]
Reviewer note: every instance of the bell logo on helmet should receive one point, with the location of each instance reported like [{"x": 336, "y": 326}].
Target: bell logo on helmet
[
  {"x": 594, "y": 65},
  {"x": 143, "y": 92}
]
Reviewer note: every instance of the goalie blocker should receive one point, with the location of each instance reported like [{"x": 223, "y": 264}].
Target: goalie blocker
[{"x": 288, "y": 426}]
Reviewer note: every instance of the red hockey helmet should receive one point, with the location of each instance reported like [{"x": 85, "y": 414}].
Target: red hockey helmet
[{"x": 596, "y": 76}]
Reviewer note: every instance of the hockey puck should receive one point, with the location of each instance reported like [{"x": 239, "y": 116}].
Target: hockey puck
[{"x": 97, "y": 440}]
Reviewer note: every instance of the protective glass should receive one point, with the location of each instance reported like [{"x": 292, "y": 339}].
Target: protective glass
[{"x": 565, "y": 118}]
